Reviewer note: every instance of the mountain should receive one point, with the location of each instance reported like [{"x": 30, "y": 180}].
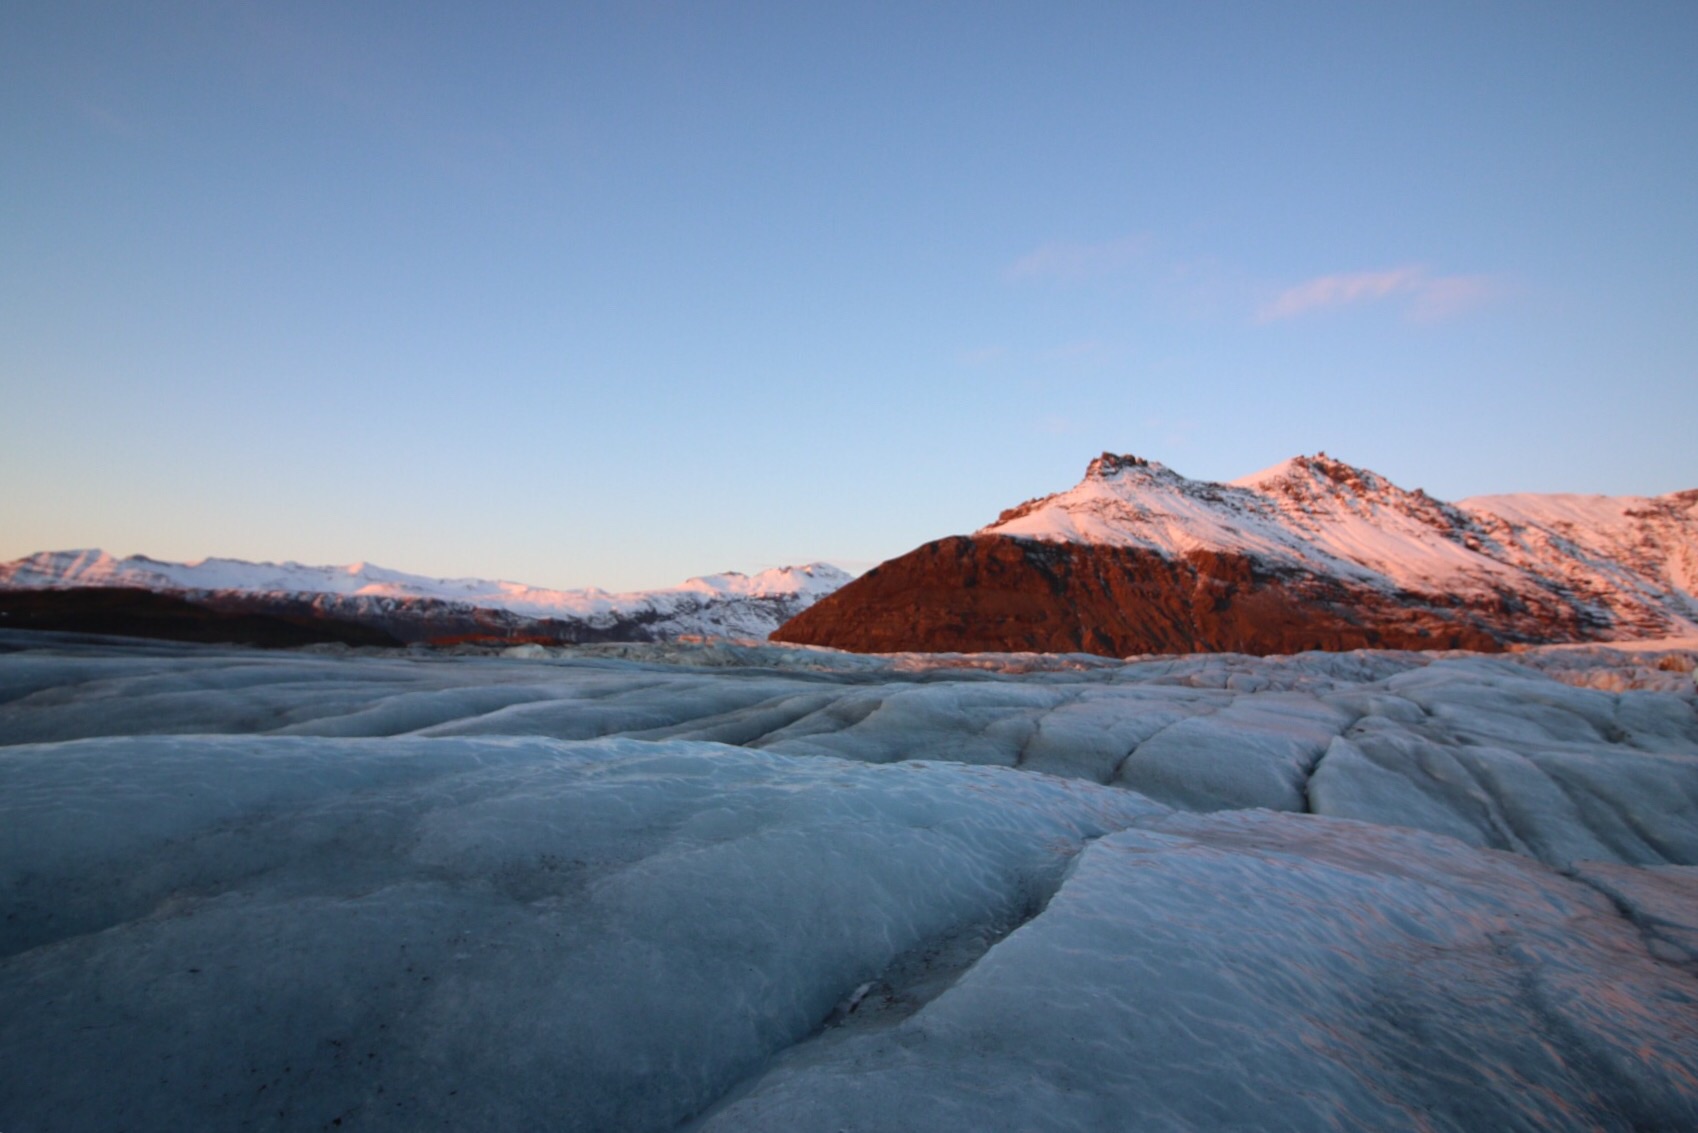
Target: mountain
[
  {"x": 417, "y": 608},
  {"x": 1312, "y": 553}
]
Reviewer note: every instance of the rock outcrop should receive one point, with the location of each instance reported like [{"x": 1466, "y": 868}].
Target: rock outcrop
[
  {"x": 133, "y": 612},
  {"x": 993, "y": 593},
  {"x": 1312, "y": 554}
]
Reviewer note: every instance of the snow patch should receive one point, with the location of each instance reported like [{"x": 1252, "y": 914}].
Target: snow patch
[{"x": 1633, "y": 559}]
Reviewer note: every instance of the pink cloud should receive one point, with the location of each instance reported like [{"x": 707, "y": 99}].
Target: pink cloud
[
  {"x": 1428, "y": 297},
  {"x": 1068, "y": 263}
]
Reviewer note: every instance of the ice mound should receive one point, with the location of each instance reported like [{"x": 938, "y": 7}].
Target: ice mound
[
  {"x": 579, "y": 891},
  {"x": 1491, "y": 750},
  {"x": 503, "y": 933},
  {"x": 1259, "y": 971},
  {"x": 492, "y": 933}
]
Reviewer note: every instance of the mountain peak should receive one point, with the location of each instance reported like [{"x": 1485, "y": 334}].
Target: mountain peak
[
  {"x": 1319, "y": 514},
  {"x": 1110, "y": 464},
  {"x": 1314, "y": 469},
  {"x": 1311, "y": 553}
]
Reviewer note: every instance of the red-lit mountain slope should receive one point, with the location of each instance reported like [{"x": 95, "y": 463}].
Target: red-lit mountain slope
[{"x": 1310, "y": 554}]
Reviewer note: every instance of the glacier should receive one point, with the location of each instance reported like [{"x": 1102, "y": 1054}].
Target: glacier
[{"x": 752, "y": 887}]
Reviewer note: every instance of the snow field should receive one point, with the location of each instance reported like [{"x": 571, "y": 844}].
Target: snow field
[
  {"x": 416, "y": 607},
  {"x": 1627, "y": 561}
]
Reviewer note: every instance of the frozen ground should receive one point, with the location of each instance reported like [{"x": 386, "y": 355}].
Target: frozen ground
[{"x": 735, "y": 888}]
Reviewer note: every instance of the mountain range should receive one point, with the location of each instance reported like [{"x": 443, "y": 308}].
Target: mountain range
[
  {"x": 1312, "y": 553},
  {"x": 366, "y": 604}
]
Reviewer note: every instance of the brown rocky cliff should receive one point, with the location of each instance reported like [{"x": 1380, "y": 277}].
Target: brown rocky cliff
[{"x": 992, "y": 593}]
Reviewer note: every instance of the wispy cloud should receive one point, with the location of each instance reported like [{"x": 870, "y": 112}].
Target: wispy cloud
[
  {"x": 1061, "y": 262},
  {"x": 1427, "y": 297}
]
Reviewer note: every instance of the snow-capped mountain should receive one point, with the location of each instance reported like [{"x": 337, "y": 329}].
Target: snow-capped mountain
[
  {"x": 1312, "y": 552},
  {"x": 1630, "y": 561},
  {"x": 415, "y": 607}
]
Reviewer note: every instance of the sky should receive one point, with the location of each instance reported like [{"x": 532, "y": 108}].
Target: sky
[{"x": 617, "y": 294}]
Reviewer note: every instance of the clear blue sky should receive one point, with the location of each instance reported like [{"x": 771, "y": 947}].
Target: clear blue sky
[{"x": 616, "y": 294}]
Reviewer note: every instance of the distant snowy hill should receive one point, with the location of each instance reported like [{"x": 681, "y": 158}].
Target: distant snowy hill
[
  {"x": 1312, "y": 553},
  {"x": 419, "y": 608}
]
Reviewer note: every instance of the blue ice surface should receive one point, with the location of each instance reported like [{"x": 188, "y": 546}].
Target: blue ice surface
[{"x": 779, "y": 889}]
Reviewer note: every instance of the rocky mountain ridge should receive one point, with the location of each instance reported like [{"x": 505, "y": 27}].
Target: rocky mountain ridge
[{"x": 1313, "y": 553}]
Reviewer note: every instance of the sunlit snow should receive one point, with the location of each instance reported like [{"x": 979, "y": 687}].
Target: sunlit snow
[
  {"x": 1624, "y": 558},
  {"x": 97, "y": 568}
]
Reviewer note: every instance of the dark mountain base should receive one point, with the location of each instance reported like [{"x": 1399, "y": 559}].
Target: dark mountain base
[
  {"x": 992, "y": 593},
  {"x": 286, "y": 619},
  {"x": 431, "y": 621},
  {"x": 142, "y": 613}
]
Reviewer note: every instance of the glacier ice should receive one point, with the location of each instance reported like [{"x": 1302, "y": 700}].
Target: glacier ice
[
  {"x": 1259, "y": 971},
  {"x": 1497, "y": 751},
  {"x": 747, "y": 888},
  {"x": 207, "y": 931}
]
